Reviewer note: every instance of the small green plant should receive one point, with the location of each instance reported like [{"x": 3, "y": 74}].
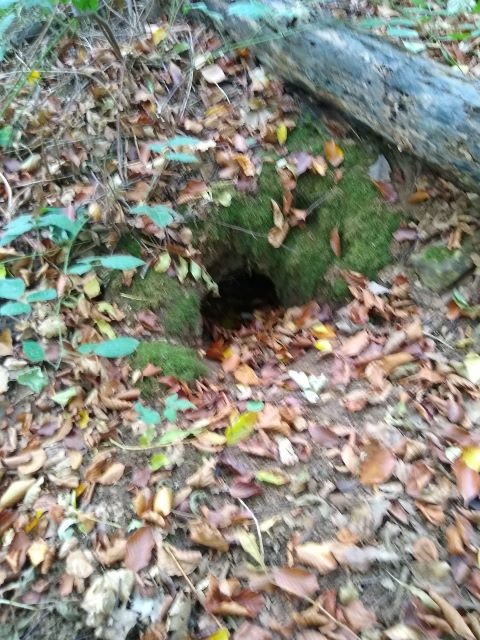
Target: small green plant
[{"x": 152, "y": 418}]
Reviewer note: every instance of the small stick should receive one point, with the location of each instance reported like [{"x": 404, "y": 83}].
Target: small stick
[
  {"x": 257, "y": 525},
  {"x": 330, "y": 617},
  {"x": 8, "y": 191},
  {"x": 194, "y": 590}
]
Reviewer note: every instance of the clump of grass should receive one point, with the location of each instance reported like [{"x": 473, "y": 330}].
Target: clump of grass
[
  {"x": 305, "y": 266},
  {"x": 174, "y": 360}
]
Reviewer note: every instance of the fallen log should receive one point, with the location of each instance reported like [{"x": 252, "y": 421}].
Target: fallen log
[{"x": 415, "y": 103}]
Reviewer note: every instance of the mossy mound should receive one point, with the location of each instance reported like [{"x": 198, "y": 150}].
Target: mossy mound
[
  {"x": 174, "y": 360},
  {"x": 305, "y": 266},
  {"x": 177, "y": 306}
]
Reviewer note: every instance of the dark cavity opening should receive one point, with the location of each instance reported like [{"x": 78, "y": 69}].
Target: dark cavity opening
[{"x": 241, "y": 294}]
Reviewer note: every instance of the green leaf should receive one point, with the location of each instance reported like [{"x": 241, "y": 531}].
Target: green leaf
[
  {"x": 6, "y": 22},
  {"x": 14, "y": 309},
  {"x": 371, "y": 23},
  {"x": 147, "y": 436},
  {"x": 12, "y": 288},
  {"x": 16, "y": 228},
  {"x": 63, "y": 397},
  {"x": 33, "y": 351},
  {"x": 202, "y": 7},
  {"x": 34, "y": 378},
  {"x": 252, "y": 10},
  {"x": 242, "y": 428},
  {"x": 147, "y": 415},
  {"x": 185, "y": 158},
  {"x": 414, "y": 47},
  {"x": 255, "y": 406},
  {"x": 180, "y": 47},
  {"x": 160, "y": 214},
  {"x": 173, "y": 143},
  {"x": 173, "y": 404},
  {"x": 271, "y": 477},
  {"x": 115, "y": 348},
  {"x": 85, "y": 5},
  {"x": 6, "y": 135},
  {"x": 400, "y": 32},
  {"x": 173, "y": 436},
  {"x": 80, "y": 269},
  {"x": 57, "y": 220},
  {"x": 121, "y": 262},
  {"x": 157, "y": 461},
  {"x": 42, "y": 296}
]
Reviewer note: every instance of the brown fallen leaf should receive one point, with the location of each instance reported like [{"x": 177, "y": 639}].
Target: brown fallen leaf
[
  {"x": 205, "y": 534},
  {"x": 333, "y": 153},
  {"x": 418, "y": 196},
  {"x": 318, "y": 555},
  {"x": 15, "y": 492},
  {"x": 78, "y": 564},
  {"x": 354, "y": 345},
  {"x": 295, "y": 581},
  {"x": 111, "y": 551},
  {"x": 358, "y": 617},
  {"x": 468, "y": 480},
  {"x": 451, "y": 615},
  {"x": 356, "y": 400},
  {"x": 213, "y": 74},
  {"x": 139, "y": 549},
  {"x": 112, "y": 474},
  {"x": 229, "y": 598},
  {"x": 188, "y": 559},
  {"x": 378, "y": 465},
  {"x": 335, "y": 242},
  {"x": 244, "y": 374},
  {"x": 249, "y": 631}
]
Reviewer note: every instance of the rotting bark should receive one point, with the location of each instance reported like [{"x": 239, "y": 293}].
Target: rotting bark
[{"x": 415, "y": 103}]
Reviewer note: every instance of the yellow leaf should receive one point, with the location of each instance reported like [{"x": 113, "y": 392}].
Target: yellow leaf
[
  {"x": 321, "y": 330},
  {"x": 333, "y": 153},
  {"x": 3, "y": 272},
  {"x": 282, "y": 133},
  {"x": 163, "y": 263},
  {"x": 91, "y": 287},
  {"x": 471, "y": 457},
  {"x": 221, "y": 634},
  {"x": 34, "y": 521},
  {"x": 324, "y": 346},
  {"x": 158, "y": 34},
  {"x": 472, "y": 367},
  {"x": 271, "y": 477},
  {"x": 248, "y": 542},
  {"x": 33, "y": 76},
  {"x": 105, "y": 328},
  {"x": 242, "y": 428},
  {"x": 84, "y": 418}
]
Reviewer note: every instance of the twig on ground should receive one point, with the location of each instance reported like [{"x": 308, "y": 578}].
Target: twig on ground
[
  {"x": 8, "y": 191},
  {"x": 257, "y": 525},
  {"x": 438, "y": 339},
  {"x": 194, "y": 590},
  {"x": 330, "y": 617}
]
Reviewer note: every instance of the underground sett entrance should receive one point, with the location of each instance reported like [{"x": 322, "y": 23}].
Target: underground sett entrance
[{"x": 241, "y": 293}]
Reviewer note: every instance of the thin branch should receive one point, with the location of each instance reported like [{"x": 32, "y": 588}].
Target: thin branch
[
  {"x": 194, "y": 590},
  {"x": 257, "y": 525},
  {"x": 8, "y": 191}
]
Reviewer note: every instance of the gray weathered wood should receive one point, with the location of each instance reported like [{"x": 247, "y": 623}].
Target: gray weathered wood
[{"x": 415, "y": 103}]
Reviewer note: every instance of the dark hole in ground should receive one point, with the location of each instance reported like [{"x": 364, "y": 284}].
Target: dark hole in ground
[{"x": 241, "y": 293}]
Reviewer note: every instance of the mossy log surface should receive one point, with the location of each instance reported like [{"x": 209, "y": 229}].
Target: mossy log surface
[
  {"x": 415, "y": 103},
  {"x": 306, "y": 266}
]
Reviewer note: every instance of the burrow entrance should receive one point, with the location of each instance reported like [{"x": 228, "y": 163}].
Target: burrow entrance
[{"x": 241, "y": 293}]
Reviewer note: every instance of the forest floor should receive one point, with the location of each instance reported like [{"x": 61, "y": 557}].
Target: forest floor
[{"x": 301, "y": 473}]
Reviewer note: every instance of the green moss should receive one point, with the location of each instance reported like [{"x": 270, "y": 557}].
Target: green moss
[
  {"x": 437, "y": 253},
  {"x": 177, "y": 306},
  {"x": 302, "y": 267},
  {"x": 174, "y": 360}
]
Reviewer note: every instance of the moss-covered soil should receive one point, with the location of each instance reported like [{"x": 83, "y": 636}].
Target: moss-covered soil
[{"x": 305, "y": 266}]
